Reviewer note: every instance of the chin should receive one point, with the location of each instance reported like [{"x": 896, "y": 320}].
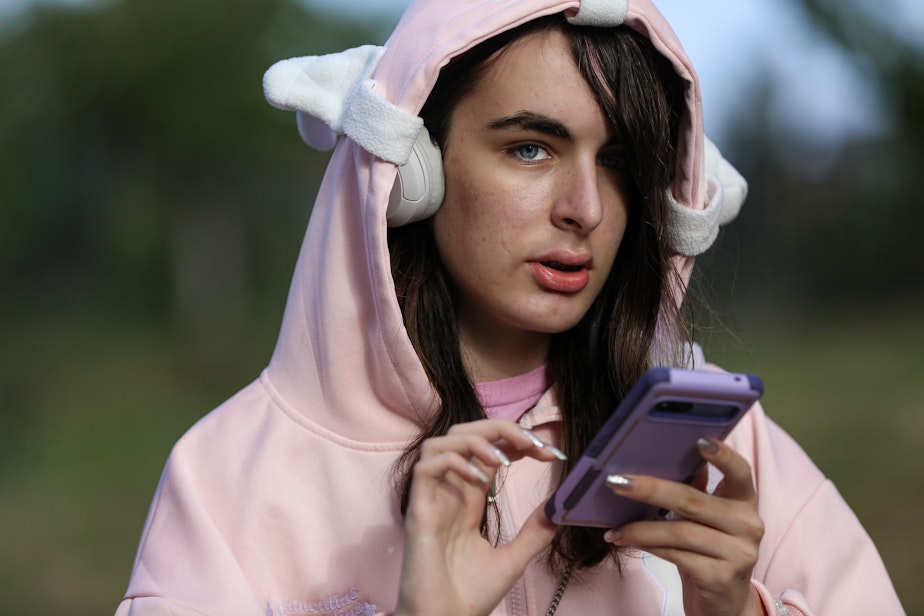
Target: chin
[{"x": 546, "y": 325}]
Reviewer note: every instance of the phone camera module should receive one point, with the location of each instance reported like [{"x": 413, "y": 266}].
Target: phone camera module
[{"x": 674, "y": 407}]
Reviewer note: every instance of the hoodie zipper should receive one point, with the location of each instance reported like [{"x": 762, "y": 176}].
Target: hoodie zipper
[{"x": 515, "y": 600}]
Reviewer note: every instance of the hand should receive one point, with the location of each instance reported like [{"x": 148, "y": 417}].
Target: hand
[
  {"x": 449, "y": 568},
  {"x": 713, "y": 539}
]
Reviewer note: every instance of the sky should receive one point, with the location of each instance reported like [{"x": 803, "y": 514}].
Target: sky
[{"x": 823, "y": 95}]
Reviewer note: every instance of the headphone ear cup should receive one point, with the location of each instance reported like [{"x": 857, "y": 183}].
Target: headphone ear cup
[{"x": 418, "y": 190}]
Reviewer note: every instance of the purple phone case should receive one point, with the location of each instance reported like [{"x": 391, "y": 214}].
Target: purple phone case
[{"x": 653, "y": 432}]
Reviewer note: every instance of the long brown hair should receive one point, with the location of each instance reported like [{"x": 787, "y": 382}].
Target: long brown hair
[{"x": 595, "y": 363}]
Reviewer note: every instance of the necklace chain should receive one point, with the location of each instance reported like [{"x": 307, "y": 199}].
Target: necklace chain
[
  {"x": 491, "y": 497},
  {"x": 556, "y": 599}
]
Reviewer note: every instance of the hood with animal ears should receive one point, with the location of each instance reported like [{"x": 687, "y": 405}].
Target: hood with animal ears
[{"x": 343, "y": 353}]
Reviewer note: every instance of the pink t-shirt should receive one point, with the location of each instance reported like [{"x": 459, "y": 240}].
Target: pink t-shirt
[{"x": 510, "y": 398}]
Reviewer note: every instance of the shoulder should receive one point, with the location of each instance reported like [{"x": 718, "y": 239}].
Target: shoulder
[
  {"x": 774, "y": 455},
  {"x": 785, "y": 477},
  {"x": 777, "y": 461}
]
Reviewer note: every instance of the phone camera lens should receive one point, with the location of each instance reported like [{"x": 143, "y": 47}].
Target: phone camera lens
[{"x": 675, "y": 406}]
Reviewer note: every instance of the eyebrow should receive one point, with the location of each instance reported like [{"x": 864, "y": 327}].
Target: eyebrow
[{"x": 530, "y": 121}]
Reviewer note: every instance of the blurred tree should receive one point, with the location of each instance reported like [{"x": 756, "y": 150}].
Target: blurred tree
[
  {"x": 140, "y": 167},
  {"x": 832, "y": 227},
  {"x": 872, "y": 35},
  {"x": 151, "y": 207},
  {"x": 141, "y": 173},
  {"x": 885, "y": 173}
]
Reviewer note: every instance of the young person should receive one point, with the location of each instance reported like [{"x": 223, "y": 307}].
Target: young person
[{"x": 454, "y": 338}]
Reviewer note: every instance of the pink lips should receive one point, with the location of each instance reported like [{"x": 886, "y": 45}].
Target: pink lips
[{"x": 565, "y": 275}]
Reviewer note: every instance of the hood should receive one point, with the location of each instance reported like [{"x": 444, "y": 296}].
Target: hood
[{"x": 343, "y": 354}]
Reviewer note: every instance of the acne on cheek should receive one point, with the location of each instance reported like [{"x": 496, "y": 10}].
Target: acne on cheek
[{"x": 493, "y": 206}]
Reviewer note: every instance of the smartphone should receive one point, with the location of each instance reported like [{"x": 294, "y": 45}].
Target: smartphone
[{"x": 653, "y": 432}]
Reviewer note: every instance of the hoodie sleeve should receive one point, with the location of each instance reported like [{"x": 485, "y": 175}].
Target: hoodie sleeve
[
  {"x": 816, "y": 557},
  {"x": 184, "y": 566}
]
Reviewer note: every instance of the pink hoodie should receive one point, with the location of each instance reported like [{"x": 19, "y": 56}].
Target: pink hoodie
[{"x": 280, "y": 501}]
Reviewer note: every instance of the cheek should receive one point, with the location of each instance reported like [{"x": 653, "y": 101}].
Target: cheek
[
  {"x": 459, "y": 229},
  {"x": 458, "y": 221},
  {"x": 478, "y": 205}
]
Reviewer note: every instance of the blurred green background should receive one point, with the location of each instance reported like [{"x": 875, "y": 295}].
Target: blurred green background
[{"x": 152, "y": 206}]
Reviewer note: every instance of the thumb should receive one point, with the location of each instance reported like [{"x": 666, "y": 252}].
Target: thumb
[{"x": 535, "y": 535}]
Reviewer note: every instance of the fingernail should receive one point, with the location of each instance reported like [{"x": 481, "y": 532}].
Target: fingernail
[
  {"x": 707, "y": 445},
  {"x": 533, "y": 438},
  {"x": 619, "y": 482},
  {"x": 477, "y": 472},
  {"x": 558, "y": 453},
  {"x": 612, "y": 535},
  {"x": 500, "y": 456}
]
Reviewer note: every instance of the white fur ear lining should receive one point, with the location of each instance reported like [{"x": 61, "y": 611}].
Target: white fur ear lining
[
  {"x": 378, "y": 126},
  {"x": 600, "y": 13},
  {"x": 734, "y": 186},
  {"x": 691, "y": 232},
  {"x": 333, "y": 94}
]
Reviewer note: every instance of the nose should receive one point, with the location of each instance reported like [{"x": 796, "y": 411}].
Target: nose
[{"x": 579, "y": 205}]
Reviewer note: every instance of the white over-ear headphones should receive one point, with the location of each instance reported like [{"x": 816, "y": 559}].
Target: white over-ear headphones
[{"x": 418, "y": 190}]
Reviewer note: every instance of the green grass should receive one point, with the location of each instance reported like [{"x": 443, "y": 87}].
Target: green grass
[
  {"x": 93, "y": 410},
  {"x": 90, "y": 410}
]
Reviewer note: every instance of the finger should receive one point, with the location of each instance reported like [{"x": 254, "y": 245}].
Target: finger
[
  {"x": 701, "y": 479},
  {"x": 735, "y": 518},
  {"x": 679, "y": 536},
  {"x": 723, "y": 569},
  {"x": 510, "y": 437},
  {"x": 737, "y": 483},
  {"x": 442, "y": 467},
  {"x": 692, "y": 547},
  {"x": 535, "y": 535},
  {"x": 686, "y": 502},
  {"x": 718, "y": 574},
  {"x": 711, "y": 583},
  {"x": 470, "y": 446},
  {"x": 683, "y": 500},
  {"x": 723, "y": 564}
]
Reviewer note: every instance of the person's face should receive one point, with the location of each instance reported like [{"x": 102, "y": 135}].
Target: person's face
[{"x": 535, "y": 207}]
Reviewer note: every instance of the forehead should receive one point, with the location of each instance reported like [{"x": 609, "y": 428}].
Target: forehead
[
  {"x": 535, "y": 73},
  {"x": 536, "y": 57}
]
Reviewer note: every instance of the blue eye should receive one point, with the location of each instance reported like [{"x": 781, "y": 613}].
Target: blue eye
[{"x": 530, "y": 152}]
